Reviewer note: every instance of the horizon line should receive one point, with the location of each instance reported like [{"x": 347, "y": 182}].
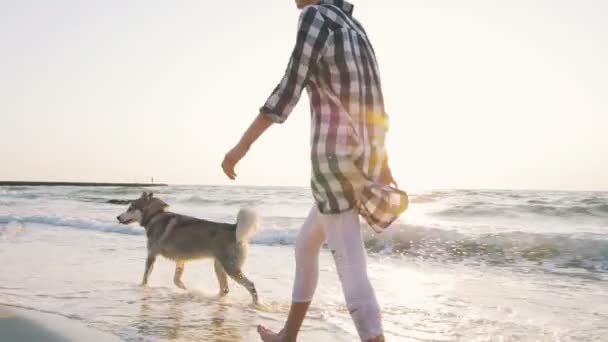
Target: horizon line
[{"x": 141, "y": 184}]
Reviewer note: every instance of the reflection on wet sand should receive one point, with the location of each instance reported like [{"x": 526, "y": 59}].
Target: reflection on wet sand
[{"x": 192, "y": 316}]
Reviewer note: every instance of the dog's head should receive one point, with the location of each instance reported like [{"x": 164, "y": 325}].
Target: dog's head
[{"x": 141, "y": 208}]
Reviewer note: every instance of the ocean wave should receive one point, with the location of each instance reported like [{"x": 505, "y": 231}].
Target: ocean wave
[
  {"x": 585, "y": 251},
  {"x": 16, "y": 187},
  {"x": 588, "y": 251},
  {"x": 7, "y": 203},
  {"x": 427, "y": 197},
  {"x": 21, "y": 195},
  {"x": 575, "y": 250},
  {"x": 119, "y": 201},
  {"x": 199, "y": 200},
  {"x": 535, "y": 207},
  {"x": 275, "y": 237},
  {"x": 594, "y": 200},
  {"x": 70, "y": 222},
  {"x": 189, "y": 200}
]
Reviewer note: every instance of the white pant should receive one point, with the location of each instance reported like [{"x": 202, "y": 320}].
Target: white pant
[{"x": 343, "y": 233}]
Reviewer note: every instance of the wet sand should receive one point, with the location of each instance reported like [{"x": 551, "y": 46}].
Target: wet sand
[{"x": 18, "y": 325}]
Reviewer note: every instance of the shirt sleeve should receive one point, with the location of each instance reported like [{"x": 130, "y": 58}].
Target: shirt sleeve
[{"x": 311, "y": 39}]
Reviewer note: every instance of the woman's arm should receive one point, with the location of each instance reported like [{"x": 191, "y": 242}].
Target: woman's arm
[
  {"x": 311, "y": 38},
  {"x": 259, "y": 125}
]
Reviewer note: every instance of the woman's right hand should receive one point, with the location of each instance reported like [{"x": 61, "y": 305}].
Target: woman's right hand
[
  {"x": 257, "y": 127},
  {"x": 232, "y": 158}
]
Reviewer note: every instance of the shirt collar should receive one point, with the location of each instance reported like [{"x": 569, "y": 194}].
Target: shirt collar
[{"x": 345, "y": 6}]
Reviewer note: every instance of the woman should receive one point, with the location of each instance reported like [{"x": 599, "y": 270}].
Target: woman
[{"x": 334, "y": 60}]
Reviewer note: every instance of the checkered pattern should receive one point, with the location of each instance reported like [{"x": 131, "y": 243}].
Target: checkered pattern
[{"x": 335, "y": 62}]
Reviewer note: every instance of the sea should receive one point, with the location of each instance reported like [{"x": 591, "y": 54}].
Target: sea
[{"x": 459, "y": 265}]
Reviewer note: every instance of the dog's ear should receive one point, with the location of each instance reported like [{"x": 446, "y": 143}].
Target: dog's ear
[
  {"x": 147, "y": 196},
  {"x": 155, "y": 205}
]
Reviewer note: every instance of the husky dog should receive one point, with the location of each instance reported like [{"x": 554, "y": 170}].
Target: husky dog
[{"x": 183, "y": 238}]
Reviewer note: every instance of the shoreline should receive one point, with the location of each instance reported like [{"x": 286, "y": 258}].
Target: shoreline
[
  {"x": 96, "y": 184},
  {"x": 25, "y": 325}
]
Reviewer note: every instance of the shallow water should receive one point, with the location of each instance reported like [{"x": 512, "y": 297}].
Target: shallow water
[{"x": 459, "y": 266}]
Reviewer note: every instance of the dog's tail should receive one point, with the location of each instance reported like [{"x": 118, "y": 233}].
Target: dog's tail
[{"x": 247, "y": 222}]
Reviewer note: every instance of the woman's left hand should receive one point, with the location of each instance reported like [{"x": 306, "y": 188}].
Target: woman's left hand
[{"x": 232, "y": 158}]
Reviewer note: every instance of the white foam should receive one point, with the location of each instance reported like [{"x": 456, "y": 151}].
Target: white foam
[{"x": 70, "y": 222}]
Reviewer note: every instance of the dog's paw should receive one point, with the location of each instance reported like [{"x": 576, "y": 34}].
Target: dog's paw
[{"x": 256, "y": 304}]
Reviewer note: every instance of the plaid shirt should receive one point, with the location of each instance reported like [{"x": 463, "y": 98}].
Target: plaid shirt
[{"x": 334, "y": 60}]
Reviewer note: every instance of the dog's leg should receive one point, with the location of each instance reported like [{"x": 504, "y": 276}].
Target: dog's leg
[
  {"x": 149, "y": 266},
  {"x": 238, "y": 276},
  {"x": 222, "y": 278},
  {"x": 179, "y": 270}
]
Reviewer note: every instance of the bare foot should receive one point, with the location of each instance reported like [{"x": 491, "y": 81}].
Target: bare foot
[
  {"x": 377, "y": 339},
  {"x": 268, "y": 335},
  {"x": 180, "y": 285}
]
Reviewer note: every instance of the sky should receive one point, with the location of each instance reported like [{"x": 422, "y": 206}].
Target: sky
[{"x": 509, "y": 94}]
